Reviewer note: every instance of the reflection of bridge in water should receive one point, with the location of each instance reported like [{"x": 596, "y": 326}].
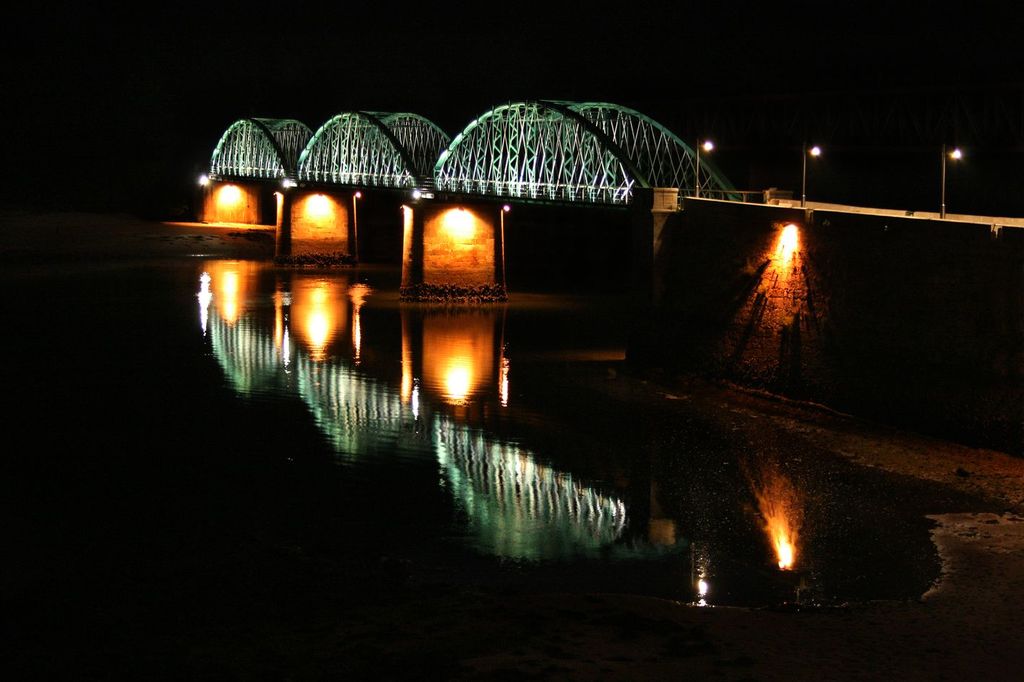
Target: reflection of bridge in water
[{"x": 516, "y": 506}]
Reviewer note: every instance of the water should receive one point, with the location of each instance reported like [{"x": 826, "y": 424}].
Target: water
[{"x": 209, "y": 431}]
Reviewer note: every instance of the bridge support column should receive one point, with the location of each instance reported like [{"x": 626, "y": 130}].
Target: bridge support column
[
  {"x": 283, "y": 241},
  {"x": 652, "y": 214},
  {"x": 652, "y": 211},
  {"x": 452, "y": 251},
  {"x": 317, "y": 223},
  {"x": 231, "y": 202}
]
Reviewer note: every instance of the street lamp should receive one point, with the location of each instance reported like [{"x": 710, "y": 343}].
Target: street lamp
[
  {"x": 814, "y": 151},
  {"x": 504, "y": 209},
  {"x": 707, "y": 146},
  {"x": 956, "y": 155},
  {"x": 355, "y": 225}
]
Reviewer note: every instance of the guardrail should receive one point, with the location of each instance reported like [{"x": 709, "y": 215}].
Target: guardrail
[{"x": 746, "y": 196}]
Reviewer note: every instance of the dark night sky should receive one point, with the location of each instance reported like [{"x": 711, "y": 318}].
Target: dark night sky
[{"x": 130, "y": 101}]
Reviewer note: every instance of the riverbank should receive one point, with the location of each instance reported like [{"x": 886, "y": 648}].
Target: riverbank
[{"x": 235, "y": 606}]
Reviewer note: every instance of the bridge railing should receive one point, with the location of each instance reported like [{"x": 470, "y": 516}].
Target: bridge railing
[{"x": 746, "y": 196}]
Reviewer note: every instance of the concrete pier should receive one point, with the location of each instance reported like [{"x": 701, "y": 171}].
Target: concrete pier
[{"x": 453, "y": 248}]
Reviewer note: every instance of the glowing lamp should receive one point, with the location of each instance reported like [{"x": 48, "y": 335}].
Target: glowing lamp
[
  {"x": 318, "y": 206},
  {"x": 358, "y": 195},
  {"x": 956, "y": 154},
  {"x": 288, "y": 183},
  {"x": 815, "y": 150},
  {"x": 459, "y": 224},
  {"x": 506, "y": 208},
  {"x": 204, "y": 180},
  {"x": 707, "y": 146},
  {"x": 416, "y": 194},
  {"x": 229, "y": 196}
]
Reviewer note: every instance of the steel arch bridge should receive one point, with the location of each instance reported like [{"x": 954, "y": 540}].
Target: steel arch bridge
[
  {"x": 260, "y": 149},
  {"x": 584, "y": 152},
  {"x": 373, "y": 149}
]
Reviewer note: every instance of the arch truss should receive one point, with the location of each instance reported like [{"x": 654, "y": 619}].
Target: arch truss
[
  {"x": 373, "y": 149},
  {"x": 260, "y": 148},
  {"x": 658, "y": 153},
  {"x": 561, "y": 151}
]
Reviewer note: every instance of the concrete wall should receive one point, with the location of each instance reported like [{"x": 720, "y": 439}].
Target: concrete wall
[
  {"x": 319, "y": 223},
  {"x": 911, "y": 321},
  {"x": 458, "y": 246},
  {"x": 231, "y": 202},
  {"x": 455, "y": 244}
]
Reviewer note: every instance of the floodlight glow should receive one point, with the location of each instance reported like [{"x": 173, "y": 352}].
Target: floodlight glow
[
  {"x": 956, "y": 154},
  {"x": 815, "y": 150},
  {"x": 288, "y": 183},
  {"x": 708, "y": 145},
  {"x": 458, "y": 223}
]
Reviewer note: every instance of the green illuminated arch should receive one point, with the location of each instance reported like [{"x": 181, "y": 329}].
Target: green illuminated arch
[
  {"x": 563, "y": 151},
  {"x": 259, "y": 148},
  {"x": 375, "y": 149},
  {"x": 656, "y": 151}
]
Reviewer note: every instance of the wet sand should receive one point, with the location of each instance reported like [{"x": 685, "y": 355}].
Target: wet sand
[{"x": 382, "y": 625}]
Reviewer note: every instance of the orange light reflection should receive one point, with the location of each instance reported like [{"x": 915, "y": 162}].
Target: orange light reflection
[
  {"x": 318, "y": 312},
  {"x": 458, "y": 354},
  {"x": 230, "y": 282},
  {"x": 781, "y": 511}
]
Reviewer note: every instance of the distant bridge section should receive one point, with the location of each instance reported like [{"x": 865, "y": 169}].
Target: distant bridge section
[
  {"x": 373, "y": 149},
  {"x": 259, "y": 149},
  {"x": 588, "y": 152}
]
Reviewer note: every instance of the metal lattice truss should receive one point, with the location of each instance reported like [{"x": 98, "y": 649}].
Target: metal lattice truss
[
  {"x": 534, "y": 150},
  {"x": 373, "y": 149},
  {"x": 260, "y": 148},
  {"x": 657, "y": 152},
  {"x": 561, "y": 151}
]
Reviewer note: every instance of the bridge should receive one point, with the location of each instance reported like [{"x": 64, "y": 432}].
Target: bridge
[{"x": 453, "y": 191}]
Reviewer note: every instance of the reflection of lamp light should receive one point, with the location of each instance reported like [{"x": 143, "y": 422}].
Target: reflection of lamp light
[
  {"x": 503, "y": 382},
  {"x": 358, "y": 294},
  {"x": 318, "y": 313},
  {"x": 229, "y": 296},
  {"x": 458, "y": 379},
  {"x": 204, "y": 300}
]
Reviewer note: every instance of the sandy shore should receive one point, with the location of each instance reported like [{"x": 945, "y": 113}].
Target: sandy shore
[{"x": 966, "y": 627}]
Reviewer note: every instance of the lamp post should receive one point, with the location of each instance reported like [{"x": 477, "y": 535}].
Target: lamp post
[
  {"x": 504, "y": 209},
  {"x": 956, "y": 155},
  {"x": 355, "y": 225},
  {"x": 707, "y": 145},
  {"x": 814, "y": 151}
]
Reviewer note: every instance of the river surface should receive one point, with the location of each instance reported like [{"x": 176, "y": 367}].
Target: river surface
[{"x": 188, "y": 426}]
